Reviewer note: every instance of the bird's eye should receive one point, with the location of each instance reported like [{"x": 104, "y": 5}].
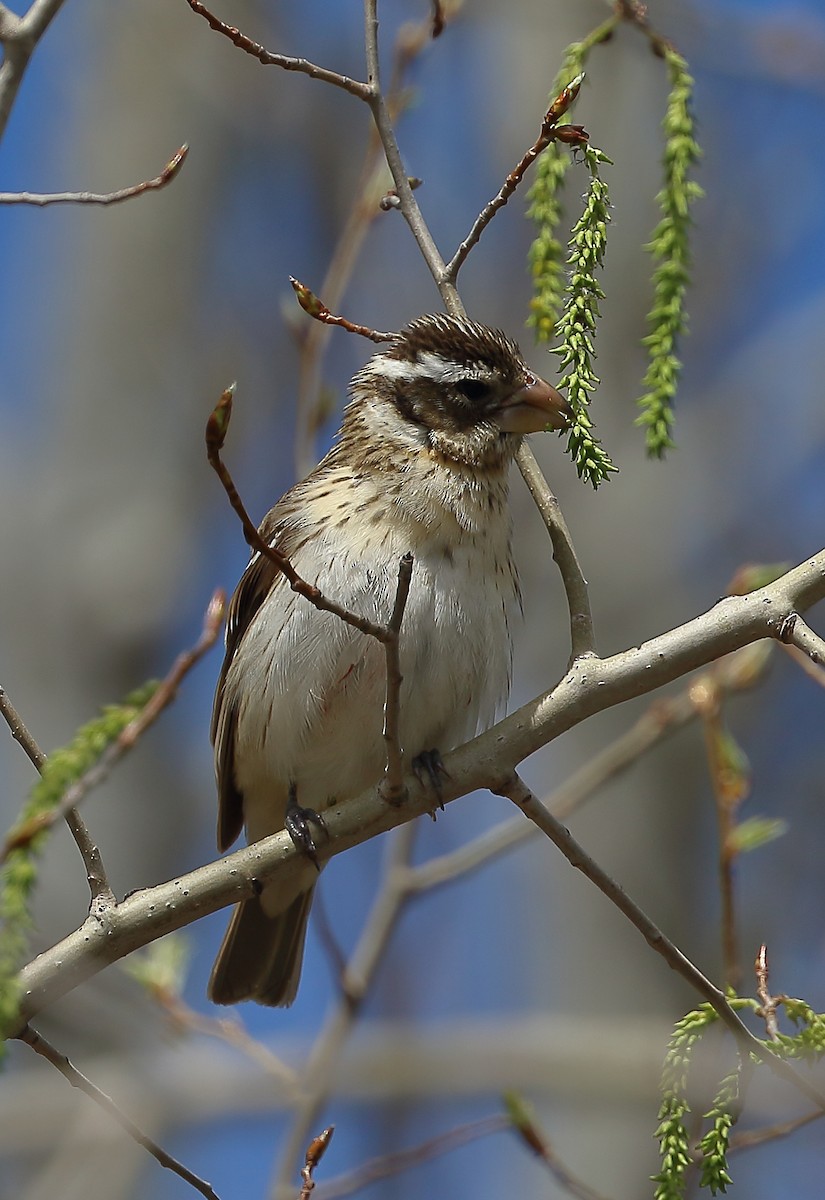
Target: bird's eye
[{"x": 473, "y": 389}]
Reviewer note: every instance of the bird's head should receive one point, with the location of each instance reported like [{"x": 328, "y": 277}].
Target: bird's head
[{"x": 458, "y": 388}]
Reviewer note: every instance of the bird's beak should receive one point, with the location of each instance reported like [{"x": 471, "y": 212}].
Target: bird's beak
[{"x": 534, "y": 406}]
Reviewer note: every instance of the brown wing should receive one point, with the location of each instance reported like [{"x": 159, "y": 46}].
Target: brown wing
[{"x": 255, "y": 585}]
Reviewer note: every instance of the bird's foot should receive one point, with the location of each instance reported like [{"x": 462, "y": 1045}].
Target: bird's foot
[
  {"x": 297, "y": 824},
  {"x": 429, "y": 768}
]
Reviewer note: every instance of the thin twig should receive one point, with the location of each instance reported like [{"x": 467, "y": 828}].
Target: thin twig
[
  {"x": 573, "y": 134},
  {"x": 216, "y": 428},
  {"x": 438, "y": 18},
  {"x": 161, "y": 699},
  {"x": 19, "y": 731},
  {"x": 386, "y": 131},
  {"x": 365, "y": 208},
  {"x": 802, "y": 660},
  {"x": 768, "y": 1003},
  {"x": 582, "y": 636},
  {"x": 88, "y": 848},
  {"x": 392, "y": 787},
  {"x": 772, "y": 1133},
  {"x": 388, "y": 1165},
  {"x": 518, "y": 792},
  {"x": 797, "y": 632},
  {"x": 387, "y": 635},
  {"x": 316, "y": 308},
  {"x": 77, "y": 1079},
  {"x": 269, "y": 59},
  {"x": 169, "y": 172}
]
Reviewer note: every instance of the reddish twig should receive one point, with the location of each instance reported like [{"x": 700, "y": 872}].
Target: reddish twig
[
  {"x": 169, "y": 172},
  {"x": 387, "y": 635},
  {"x": 79, "y": 1080},
  {"x": 439, "y": 20},
  {"x": 216, "y": 428},
  {"x": 316, "y": 308},
  {"x": 161, "y": 699},
  {"x": 550, "y": 131},
  {"x": 269, "y": 59}
]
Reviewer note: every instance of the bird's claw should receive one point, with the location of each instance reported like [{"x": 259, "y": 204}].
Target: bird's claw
[
  {"x": 428, "y": 768},
  {"x": 297, "y": 824}
]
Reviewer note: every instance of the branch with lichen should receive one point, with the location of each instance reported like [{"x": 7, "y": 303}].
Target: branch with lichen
[{"x": 19, "y": 873}]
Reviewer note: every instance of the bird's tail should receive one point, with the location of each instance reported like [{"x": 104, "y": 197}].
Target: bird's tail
[{"x": 260, "y": 956}]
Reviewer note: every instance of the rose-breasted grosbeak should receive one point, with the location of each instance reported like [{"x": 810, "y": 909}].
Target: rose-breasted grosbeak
[{"x": 420, "y": 465}]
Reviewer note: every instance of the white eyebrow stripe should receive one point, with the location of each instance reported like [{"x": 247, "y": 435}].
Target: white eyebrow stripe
[
  {"x": 427, "y": 366},
  {"x": 440, "y": 369},
  {"x": 392, "y": 368}
]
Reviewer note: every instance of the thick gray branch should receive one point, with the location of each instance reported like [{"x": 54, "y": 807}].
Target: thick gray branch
[{"x": 590, "y": 686}]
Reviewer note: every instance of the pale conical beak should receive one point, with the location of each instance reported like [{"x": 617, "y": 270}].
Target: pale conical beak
[{"x": 534, "y": 406}]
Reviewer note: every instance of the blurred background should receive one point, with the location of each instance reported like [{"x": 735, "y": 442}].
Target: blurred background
[{"x": 119, "y": 328}]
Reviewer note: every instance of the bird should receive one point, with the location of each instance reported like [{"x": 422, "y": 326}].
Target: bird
[{"x": 419, "y": 466}]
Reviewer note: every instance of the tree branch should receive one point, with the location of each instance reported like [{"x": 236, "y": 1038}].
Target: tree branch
[
  {"x": 548, "y": 133},
  {"x": 19, "y": 37},
  {"x": 353, "y": 86},
  {"x": 169, "y": 172},
  {"x": 590, "y": 686},
  {"x": 521, "y": 795},
  {"x": 663, "y": 717},
  {"x": 78, "y": 1080},
  {"x": 582, "y": 636}
]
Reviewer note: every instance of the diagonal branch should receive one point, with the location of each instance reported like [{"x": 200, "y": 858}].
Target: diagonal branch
[
  {"x": 162, "y": 698},
  {"x": 517, "y": 791},
  {"x": 89, "y": 851},
  {"x": 269, "y": 59},
  {"x": 589, "y": 687},
  {"x": 387, "y": 635},
  {"x": 78, "y": 1080},
  {"x": 216, "y": 428},
  {"x": 573, "y": 134}
]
